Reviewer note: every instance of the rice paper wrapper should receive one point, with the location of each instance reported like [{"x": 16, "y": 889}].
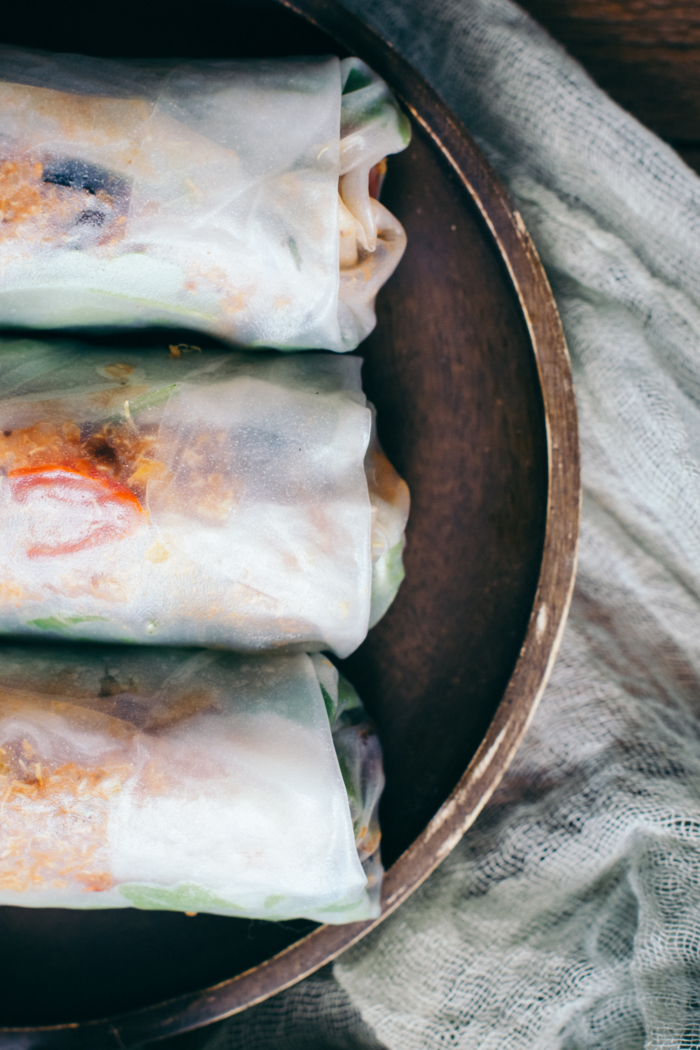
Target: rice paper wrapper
[
  {"x": 210, "y": 498},
  {"x": 229, "y": 197},
  {"x": 186, "y": 780}
]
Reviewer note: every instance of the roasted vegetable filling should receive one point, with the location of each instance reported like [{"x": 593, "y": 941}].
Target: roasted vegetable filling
[
  {"x": 90, "y": 484},
  {"x": 65, "y": 200}
]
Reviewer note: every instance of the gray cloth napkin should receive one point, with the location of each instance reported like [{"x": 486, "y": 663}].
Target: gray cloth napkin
[{"x": 569, "y": 916}]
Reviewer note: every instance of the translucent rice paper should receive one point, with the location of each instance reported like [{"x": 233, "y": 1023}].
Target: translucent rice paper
[
  {"x": 229, "y": 197},
  {"x": 203, "y": 498},
  {"x": 185, "y": 780}
]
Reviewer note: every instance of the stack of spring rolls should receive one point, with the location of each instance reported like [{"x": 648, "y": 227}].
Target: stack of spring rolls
[{"x": 184, "y": 532}]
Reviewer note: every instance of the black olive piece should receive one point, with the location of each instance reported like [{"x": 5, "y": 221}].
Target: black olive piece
[
  {"x": 90, "y": 218},
  {"x": 80, "y": 175}
]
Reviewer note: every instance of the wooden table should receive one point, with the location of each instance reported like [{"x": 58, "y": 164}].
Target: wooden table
[{"x": 644, "y": 53}]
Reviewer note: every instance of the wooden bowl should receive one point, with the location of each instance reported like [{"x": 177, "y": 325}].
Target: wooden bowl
[{"x": 469, "y": 371}]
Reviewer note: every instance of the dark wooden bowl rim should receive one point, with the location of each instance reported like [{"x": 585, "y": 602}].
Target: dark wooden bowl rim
[{"x": 547, "y": 618}]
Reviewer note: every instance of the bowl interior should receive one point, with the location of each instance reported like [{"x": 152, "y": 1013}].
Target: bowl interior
[{"x": 452, "y": 372}]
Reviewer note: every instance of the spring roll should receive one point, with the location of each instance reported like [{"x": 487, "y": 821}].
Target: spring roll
[
  {"x": 229, "y": 197},
  {"x": 186, "y": 780},
  {"x": 193, "y": 498}
]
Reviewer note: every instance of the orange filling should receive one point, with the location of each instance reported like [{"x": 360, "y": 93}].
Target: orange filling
[
  {"x": 31, "y": 208},
  {"x": 384, "y": 481},
  {"x": 54, "y": 819},
  {"x": 100, "y": 508},
  {"x": 109, "y": 471},
  {"x": 54, "y": 825}
]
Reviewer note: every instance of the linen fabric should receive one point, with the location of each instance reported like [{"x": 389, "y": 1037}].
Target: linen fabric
[{"x": 568, "y": 918}]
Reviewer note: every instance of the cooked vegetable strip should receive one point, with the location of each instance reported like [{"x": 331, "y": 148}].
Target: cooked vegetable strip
[
  {"x": 391, "y": 502},
  {"x": 186, "y": 780},
  {"x": 236, "y": 198},
  {"x": 70, "y": 509},
  {"x": 209, "y": 498}
]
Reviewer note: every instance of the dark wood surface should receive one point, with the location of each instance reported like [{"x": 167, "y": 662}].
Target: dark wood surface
[
  {"x": 470, "y": 375},
  {"x": 644, "y": 53}
]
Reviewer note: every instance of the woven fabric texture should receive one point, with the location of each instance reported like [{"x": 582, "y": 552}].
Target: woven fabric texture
[{"x": 569, "y": 916}]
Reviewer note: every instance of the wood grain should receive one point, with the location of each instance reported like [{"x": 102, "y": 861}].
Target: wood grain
[{"x": 644, "y": 53}]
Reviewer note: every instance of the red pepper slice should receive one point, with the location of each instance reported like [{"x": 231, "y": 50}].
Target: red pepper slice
[{"x": 71, "y": 508}]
